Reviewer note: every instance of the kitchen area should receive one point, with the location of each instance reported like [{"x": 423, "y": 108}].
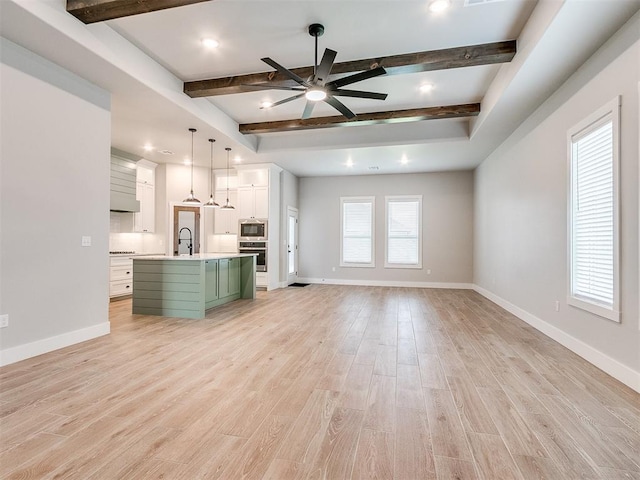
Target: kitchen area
[{"x": 150, "y": 219}]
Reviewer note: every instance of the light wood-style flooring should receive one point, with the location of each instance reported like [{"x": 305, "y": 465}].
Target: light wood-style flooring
[{"x": 318, "y": 382}]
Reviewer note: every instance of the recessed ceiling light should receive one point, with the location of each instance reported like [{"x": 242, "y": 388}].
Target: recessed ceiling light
[
  {"x": 210, "y": 43},
  {"x": 426, "y": 87},
  {"x": 437, "y": 6},
  {"x": 404, "y": 160},
  {"x": 238, "y": 159},
  {"x": 148, "y": 148},
  {"x": 187, "y": 161},
  {"x": 266, "y": 104},
  {"x": 349, "y": 163}
]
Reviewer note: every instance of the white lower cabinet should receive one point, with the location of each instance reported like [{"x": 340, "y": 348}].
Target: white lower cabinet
[{"x": 120, "y": 276}]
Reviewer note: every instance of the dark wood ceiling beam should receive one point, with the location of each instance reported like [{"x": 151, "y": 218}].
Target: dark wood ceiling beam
[
  {"x": 91, "y": 11},
  {"x": 395, "y": 116},
  {"x": 485, "y": 54}
]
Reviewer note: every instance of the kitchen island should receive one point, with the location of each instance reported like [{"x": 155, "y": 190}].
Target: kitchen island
[{"x": 186, "y": 286}]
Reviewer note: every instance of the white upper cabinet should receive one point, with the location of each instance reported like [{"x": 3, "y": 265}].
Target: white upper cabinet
[
  {"x": 253, "y": 202},
  {"x": 253, "y": 177},
  {"x": 144, "y": 221},
  {"x": 225, "y": 221}
]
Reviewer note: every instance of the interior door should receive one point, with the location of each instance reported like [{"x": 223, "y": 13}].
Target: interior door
[{"x": 292, "y": 244}]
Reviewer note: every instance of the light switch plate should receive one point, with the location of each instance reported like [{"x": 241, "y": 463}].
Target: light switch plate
[
  {"x": 86, "y": 241},
  {"x": 4, "y": 321}
]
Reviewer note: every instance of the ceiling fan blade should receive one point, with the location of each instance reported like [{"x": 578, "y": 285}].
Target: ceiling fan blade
[
  {"x": 288, "y": 99},
  {"x": 359, "y": 94},
  {"x": 341, "y": 107},
  {"x": 308, "y": 109},
  {"x": 358, "y": 77},
  {"x": 272, "y": 87},
  {"x": 284, "y": 71},
  {"x": 324, "y": 69}
]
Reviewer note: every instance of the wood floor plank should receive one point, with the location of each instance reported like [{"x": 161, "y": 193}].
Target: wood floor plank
[
  {"x": 472, "y": 411},
  {"x": 409, "y": 392},
  {"x": 517, "y": 436},
  {"x": 357, "y": 385},
  {"x": 431, "y": 371},
  {"x": 447, "y": 432},
  {"x": 253, "y": 461},
  {"x": 414, "y": 456},
  {"x": 336, "y": 456},
  {"x": 380, "y": 412},
  {"x": 374, "y": 458},
  {"x": 492, "y": 457},
  {"x": 454, "y": 468},
  {"x": 303, "y": 441}
]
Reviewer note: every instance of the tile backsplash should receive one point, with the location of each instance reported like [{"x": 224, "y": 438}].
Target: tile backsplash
[{"x": 122, "y": 238}]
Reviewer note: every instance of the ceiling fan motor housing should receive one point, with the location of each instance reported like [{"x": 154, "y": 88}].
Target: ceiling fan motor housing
[{"x": 316, "y": 29}]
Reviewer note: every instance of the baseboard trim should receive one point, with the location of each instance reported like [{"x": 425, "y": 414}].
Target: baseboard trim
[
  {"x": 46, "y": 345},
  {"x": 617, "y": 370},
  {"x": 386, "y": 283}
]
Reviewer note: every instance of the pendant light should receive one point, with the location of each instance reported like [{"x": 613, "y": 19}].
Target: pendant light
[
  {"x": 211, "y": 203},
  {"x": 191, "y": 198},
  {"x": 227, "y": 205}
]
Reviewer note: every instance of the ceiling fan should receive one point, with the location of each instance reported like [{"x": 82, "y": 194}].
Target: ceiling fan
[{"x": 316, "y": 88}]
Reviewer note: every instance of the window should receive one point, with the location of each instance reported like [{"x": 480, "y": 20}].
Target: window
[
  {"x": 356, "y": 249},
  {"x": 593, "y": 211},
  {"x": 404, "y": 232}
]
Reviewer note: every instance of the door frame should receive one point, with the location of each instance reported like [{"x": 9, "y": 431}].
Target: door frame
[
  {"x": 197, "y": 236},
  {"x": 293, "y": 277}
]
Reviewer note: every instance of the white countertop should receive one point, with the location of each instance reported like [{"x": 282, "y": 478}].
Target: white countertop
[{"x": 196, "y": 256}]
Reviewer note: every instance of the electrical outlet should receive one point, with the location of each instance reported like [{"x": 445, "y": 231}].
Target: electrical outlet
[
  {"x": 333, "y": 269},
  {"x": 86, "y": 241},
  {"x": 4, "y": 321},
  {"x": 428, "y": 271}
]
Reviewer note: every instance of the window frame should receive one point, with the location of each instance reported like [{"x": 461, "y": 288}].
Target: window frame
[
  {"x": 608, "y": 112},
  {"x": 402, "y": 198},
  {"x": 360, "y": 199}
]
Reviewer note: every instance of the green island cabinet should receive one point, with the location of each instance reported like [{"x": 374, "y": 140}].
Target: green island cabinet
[{"x": 187, "y": 286}]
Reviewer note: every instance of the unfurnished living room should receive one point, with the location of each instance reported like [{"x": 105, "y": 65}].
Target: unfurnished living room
[{"x": 256, "y": 239}]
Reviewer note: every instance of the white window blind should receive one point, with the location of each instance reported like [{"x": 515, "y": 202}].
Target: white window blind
[
  {"x": 593, "y": 235},
  {"x": 404, "y": 231},
  {"x": 357, "y": 231}
]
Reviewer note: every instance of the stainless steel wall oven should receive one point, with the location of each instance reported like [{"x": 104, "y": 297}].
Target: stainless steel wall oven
[{"x": 255, "y": 247}]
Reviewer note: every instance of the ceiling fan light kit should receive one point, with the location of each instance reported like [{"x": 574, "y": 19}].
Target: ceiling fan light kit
[{"x": 316, "y": 88}]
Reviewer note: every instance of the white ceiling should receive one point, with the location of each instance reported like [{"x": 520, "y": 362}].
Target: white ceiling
[{"x": 144, "y": 59}]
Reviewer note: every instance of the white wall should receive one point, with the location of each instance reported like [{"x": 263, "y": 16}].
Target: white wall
[
  {"x": 54, "y": 190},
  {"x": 288, "y": 198},
  {"x": 521, "y": 213},
  {"x": 447, "y": 220}
]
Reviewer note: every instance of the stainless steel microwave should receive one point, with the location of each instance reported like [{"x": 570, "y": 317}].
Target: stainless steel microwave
[{"x": 252, "y": 229}]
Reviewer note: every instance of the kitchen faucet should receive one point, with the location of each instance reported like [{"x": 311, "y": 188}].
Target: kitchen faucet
[{"x": 190, "y": 246}]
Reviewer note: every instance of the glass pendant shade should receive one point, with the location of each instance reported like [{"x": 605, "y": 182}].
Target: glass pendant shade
[
  {"x": 192, "y": 198},
  {"x": 228, "y": 206},
  {"x": 211, "y": 203}
]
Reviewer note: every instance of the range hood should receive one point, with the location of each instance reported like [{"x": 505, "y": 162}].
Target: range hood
[{"x": 123, "y": 182}]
